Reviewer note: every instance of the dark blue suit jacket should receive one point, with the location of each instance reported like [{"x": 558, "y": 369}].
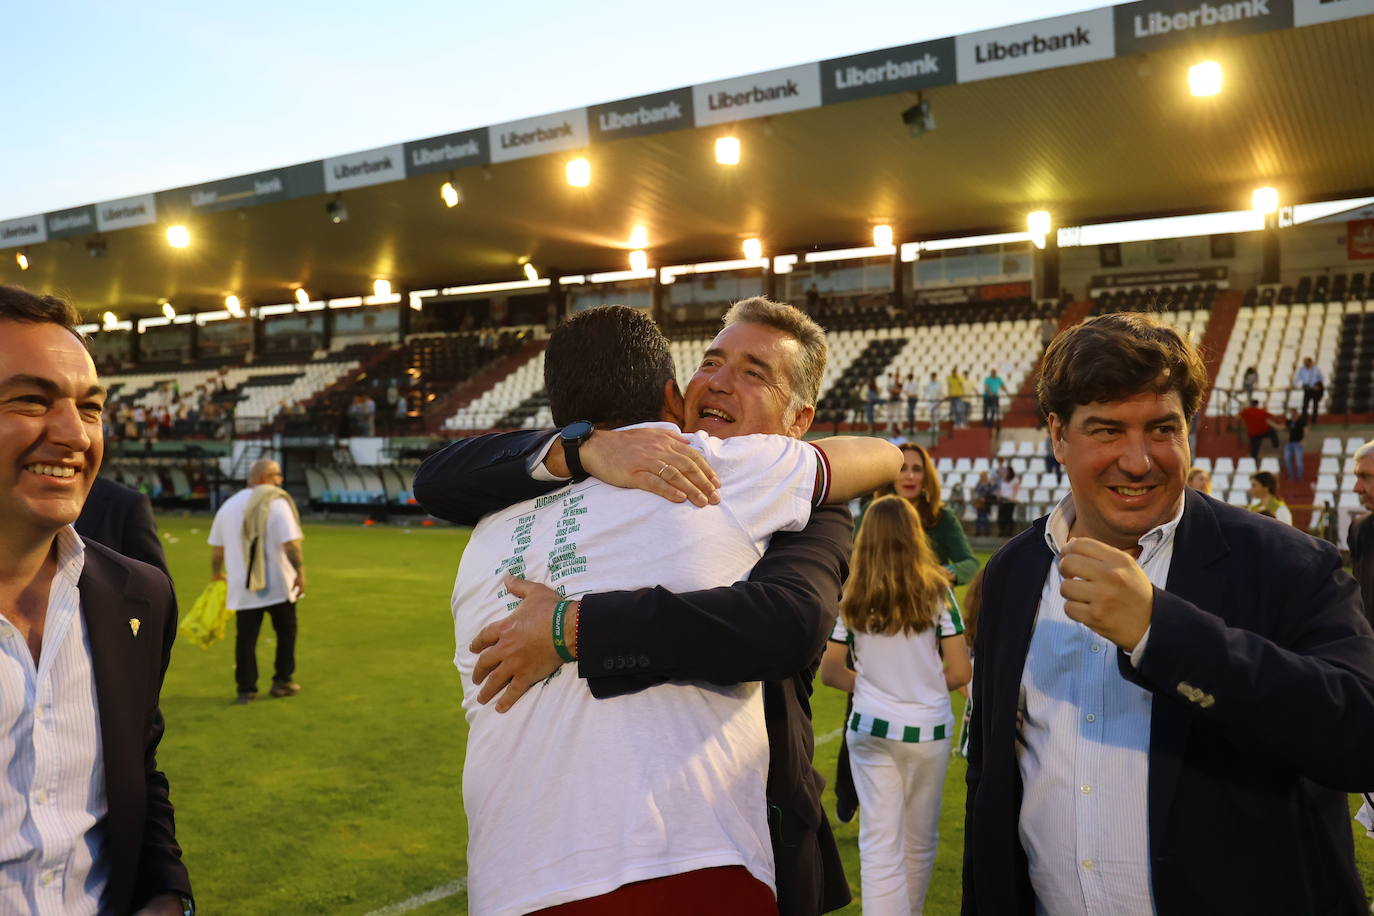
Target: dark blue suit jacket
[{"x": 1262, "y": 669}]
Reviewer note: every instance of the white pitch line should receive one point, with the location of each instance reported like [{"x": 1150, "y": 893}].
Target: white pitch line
[
  {"x": 442, "y": 892},
  {"x": 829, "y": 736}
]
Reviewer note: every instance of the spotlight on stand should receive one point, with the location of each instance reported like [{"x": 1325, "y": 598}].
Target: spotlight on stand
[
  {"x": 338, "y": 213},
  {"x": 918, "y": 118}
]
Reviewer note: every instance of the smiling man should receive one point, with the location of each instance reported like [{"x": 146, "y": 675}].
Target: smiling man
[
  {"x": 85, "y": 637},
  {"x": 1152, "y": 668},
  {"x": 761, "y": 374}
]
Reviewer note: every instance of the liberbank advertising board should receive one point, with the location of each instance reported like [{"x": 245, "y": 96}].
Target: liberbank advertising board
[{"x": 1059, "y": 42}]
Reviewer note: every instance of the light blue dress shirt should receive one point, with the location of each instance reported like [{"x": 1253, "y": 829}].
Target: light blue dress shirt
[
  {"x": 1083, "y": 741},
  {"x": 52, "y": 795}
]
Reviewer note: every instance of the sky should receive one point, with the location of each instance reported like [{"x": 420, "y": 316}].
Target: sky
[{"x": 108, "y": 100}]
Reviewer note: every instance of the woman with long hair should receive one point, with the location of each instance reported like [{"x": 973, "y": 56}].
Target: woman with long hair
[
  {"x": 1008, "y": 494},
  {"x": 897, "y": 617},
  {"x": 918, "y": 482}
]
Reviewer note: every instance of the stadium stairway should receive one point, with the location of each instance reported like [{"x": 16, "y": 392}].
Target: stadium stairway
[
  {"x": 1225, "y": 308},
  {"x": 1023, "y": 411},
  {"x": 470, "y": 390}
]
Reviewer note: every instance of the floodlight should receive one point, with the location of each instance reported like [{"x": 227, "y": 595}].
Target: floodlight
[
  {"x": 178, "y": 236},
  {"x": 96, "y": 248},
  {"x": 449, "y": 194},
  {"x": 530, "y": 273},
  {"x": 639, "y": 237},
  {"x": 168, "y": 312},
  {"x": 727, "y": 150},
  {"x": 338, "y": 213},
  {"x": 918, "y": 118},
  {"x": 1205, "y": 78},
  {"x": 109, "y": 319},
  {"x": 882, "y": 236},
  {"x": 381, "y": 288},
  {"x": 231, "y": 304},
  {"x": 1265, "y": 200},
  {"x": 639, "y": 259},
  {"x": 579, "y": 172},
  {"x": 22, "y": 259},
  {"x": 753, "y": 249},
  {"x": 302, "y": 296}
]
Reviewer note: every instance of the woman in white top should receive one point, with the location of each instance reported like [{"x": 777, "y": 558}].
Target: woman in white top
[{"x": 896, "y": 614}]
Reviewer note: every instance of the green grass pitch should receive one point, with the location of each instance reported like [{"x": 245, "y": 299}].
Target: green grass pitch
[{"x": 344, "y": 799}]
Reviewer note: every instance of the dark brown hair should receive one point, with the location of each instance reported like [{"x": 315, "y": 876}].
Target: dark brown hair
[
  {"x": 1267, "y": 480},
  {"x": 973, "y": 603},
  {"x": 1112, "y": 357},
  {"x": 928, "y": 502},
  {"x": 20, "y": 305}
]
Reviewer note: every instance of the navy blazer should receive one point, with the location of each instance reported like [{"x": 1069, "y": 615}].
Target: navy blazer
[
  {"x": 771, "y": 628},
  {"x": 121, "y": 518},
  {"x": 140, "y": 839},
  {"x": 1261, "y": 667}
]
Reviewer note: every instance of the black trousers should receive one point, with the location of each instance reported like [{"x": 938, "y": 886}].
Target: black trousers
[
  {"x": 1256, "y": 441},
  {"x": 247, "y": 624},
  {"x": 1006, "y": 518},
  {"x": 1312, "y": 396}
]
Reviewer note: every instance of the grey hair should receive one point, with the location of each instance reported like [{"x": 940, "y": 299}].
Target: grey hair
[
  {"x": 1363, "y": 451},
  {"x": 805, "y": 373}
]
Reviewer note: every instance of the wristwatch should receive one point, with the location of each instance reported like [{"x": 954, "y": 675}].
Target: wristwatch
[{"x": 573, "y": 436}]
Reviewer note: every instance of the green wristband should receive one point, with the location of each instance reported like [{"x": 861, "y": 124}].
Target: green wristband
[{"x": 559, "y": 643}]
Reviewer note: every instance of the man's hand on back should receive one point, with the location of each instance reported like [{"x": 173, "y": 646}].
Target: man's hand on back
[
  {"x": 1107, "y": 591},
  {"x": 654, "y": 460},
  {"x": 517, "y": 651}
]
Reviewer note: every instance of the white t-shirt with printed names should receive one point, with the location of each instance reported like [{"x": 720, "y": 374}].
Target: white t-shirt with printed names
[
  {"x": 900, "y": 680},
  {"x": 568, "y": 796},
  {"x": 227, "y": 531}
]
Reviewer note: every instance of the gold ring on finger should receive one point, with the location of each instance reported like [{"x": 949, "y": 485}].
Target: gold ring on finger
[{"x": 665, "y": 467}]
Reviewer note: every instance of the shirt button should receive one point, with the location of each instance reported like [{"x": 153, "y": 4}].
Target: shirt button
[
  {"x": 1091, "y": 717},
  {"x": 1096, "y": 647},
  {"x": 1088, "y": 864},
  {"x": 1086, "y": 790},
  {"x": 40, "y": 797},
  {"x": 38, "y": 714},
  {"x": 46, "y": 877}
]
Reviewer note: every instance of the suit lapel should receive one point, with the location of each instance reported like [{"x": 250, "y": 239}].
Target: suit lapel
[
  {"x": 118, "y": 661},
  {"x": 1025, "y": 580},
  {"x": 1198, "y": 545}
]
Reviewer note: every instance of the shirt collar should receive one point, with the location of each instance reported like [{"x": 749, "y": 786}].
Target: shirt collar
[
  {"x": 71, "y": 554},
  {"x": 1061, "y": 521}
]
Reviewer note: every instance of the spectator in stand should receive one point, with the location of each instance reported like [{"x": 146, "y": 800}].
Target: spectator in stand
[
  {"x": 1309, "y": 378},
  {"x": 894, "y": 404},
  {"x": 1048, "y": 328},
  {"x": 934, "y": 393},
  {"x": 1264, "y": 493},
  {"x": 1248, "y": 381},
  {"x": 1260, "y": 424},
  {"x": 1293, "y": 464},
  {"x": 906, "y": 638},
  {"x": 1008, "y": 493},
  {"x": 1361, "y": 536},
  {"x": 992, "y": 398},
  {"x": 1200, "y": 480},
  {"x": 813, "y": 300},
  {"x": 912, "y": 391},
  {"x": 958, "y": 500},
  {"x": 874, "y": 398},
  {"x": 957, "y": 386},
  {"x": 984, "y": 498}
]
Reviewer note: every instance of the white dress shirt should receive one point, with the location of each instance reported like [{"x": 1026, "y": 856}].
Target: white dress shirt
[
  {"x": 1083, "y": 751},
  {"x": 52, "y": 796}
]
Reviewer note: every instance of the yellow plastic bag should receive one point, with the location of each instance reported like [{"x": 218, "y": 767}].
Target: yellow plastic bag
[{"x": 209, "y": 616}]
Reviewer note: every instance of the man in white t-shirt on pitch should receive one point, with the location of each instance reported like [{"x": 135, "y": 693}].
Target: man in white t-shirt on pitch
[
  {"x": 256, "y": 549},
  {"x": 654, "y": 801}
]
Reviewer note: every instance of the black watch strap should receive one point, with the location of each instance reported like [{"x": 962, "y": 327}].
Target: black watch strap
[{"x": 573, "y": 435}]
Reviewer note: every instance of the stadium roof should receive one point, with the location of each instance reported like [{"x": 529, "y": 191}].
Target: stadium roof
[{"x": 1098, "y": 140}]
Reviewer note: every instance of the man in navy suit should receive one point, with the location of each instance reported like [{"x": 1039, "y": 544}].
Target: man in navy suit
[{"x": 1173, "y": 696}]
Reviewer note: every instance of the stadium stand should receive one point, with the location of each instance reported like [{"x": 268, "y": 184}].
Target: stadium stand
[{"x": 1273, "y": 339}]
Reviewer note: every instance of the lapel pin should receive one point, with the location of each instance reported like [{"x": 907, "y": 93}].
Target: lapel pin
[{"x": 133, "y": 625}]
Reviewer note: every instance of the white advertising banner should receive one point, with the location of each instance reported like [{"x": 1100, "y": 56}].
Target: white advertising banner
[
  {"x": 757, "y": 96},
  {"x": 126, "y": 213},
  {"x": 552, "y": 133},
  {"x": 358, "y": 170},
  {"x": 1074, "y": 39},
  {"x": 27, "y": 230}
]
